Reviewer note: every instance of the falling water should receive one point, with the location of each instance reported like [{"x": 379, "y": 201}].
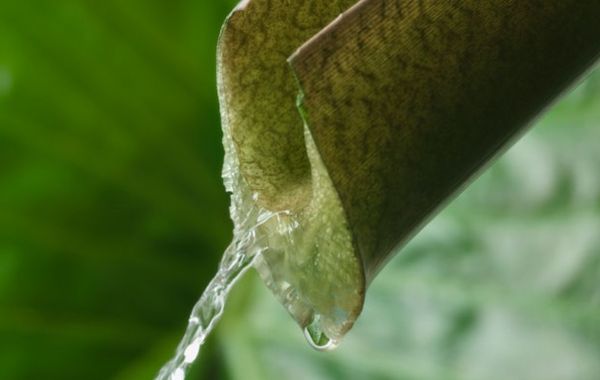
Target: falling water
[
  {"x": 247, "y": 246},
  {"x": 252, "y": 228},
  {"x": 237, "y": 259},
  {"x": 290, "y": 251}
]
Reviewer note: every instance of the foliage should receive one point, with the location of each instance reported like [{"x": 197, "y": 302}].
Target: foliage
[
  {"x": 112, "y": 218},
  {"x": 112, "y": 211}
]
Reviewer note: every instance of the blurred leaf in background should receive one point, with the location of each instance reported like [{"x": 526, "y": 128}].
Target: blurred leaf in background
[
  {"x": 113, "y": 217},
  {"x": 112, "y": 211}
]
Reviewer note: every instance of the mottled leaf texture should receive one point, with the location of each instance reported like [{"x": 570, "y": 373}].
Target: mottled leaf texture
[{"x": 405, "y": 100}]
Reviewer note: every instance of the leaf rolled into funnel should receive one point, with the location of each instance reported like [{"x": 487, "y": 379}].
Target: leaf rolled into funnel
[{"x": 401, "y": 103}]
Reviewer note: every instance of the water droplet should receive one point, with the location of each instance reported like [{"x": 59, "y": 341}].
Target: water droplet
[{"x": 316, "y": 338}]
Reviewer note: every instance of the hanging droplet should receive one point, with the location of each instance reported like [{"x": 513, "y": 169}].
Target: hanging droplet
[{"x": 316, "y": 338}]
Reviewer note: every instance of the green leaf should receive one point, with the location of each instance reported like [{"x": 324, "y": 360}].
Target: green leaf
[
  {"x": 112, "y": 209},
  {"x": 401, "y": 104}
]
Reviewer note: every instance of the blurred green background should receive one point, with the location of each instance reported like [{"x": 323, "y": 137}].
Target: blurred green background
[{"x": 113, "y": 218}]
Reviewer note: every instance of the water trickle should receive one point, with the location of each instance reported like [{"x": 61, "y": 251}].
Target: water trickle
[
  {"x": 247, "y": 245},
  {"x": 237, "y": 259},
  {"x": 250, "y": 243},
  {"x": 305, "y": 257},
  {"x": 252, "y": 229}
]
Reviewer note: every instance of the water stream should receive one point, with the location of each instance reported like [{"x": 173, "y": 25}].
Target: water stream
[
  {"x": 247, "y": 246},
  {"x": 237, "y": 259},
  {"x": 305, "y": 258}
]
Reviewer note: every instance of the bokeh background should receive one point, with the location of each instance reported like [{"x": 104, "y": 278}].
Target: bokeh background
[{"x": 113, "y": 218}]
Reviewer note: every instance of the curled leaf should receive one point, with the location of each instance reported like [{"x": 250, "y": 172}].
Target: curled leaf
[{"x": 402, "y": 103}]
